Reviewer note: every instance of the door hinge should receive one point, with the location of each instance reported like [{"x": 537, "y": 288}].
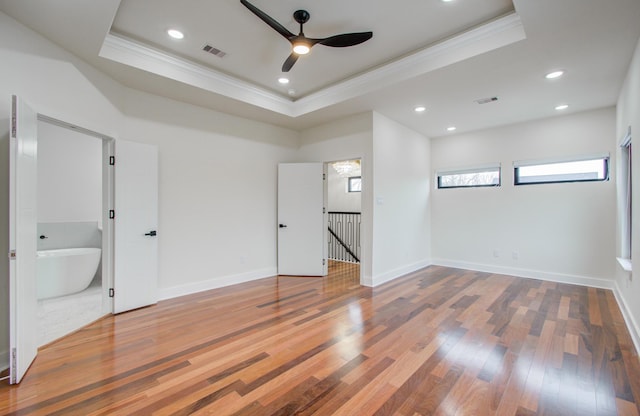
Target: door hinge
[
  {"x": 324, "y": 210},
  {"x": 111, "y": 292},
  {"x": 324, "y": 176},
  {"x": 324, "y": 262},
  {"x": 14, "y": 117},
  {"x": 112, "y": 214},
  {"x": 12, "y": 255},
  {"x": 14, "y": 366},
  {"x": 112, "y": 160}
]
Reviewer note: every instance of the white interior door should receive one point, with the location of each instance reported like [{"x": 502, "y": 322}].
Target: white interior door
[
  {"x": 302, "y": 219},
  {"x": 23, "y": 304},
  {"x": 136, "y": 225}
]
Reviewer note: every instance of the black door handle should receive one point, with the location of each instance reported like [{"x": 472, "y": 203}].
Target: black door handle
[
  {"x": 282, "y": 225},
  {"x": 151, "y": 233}
]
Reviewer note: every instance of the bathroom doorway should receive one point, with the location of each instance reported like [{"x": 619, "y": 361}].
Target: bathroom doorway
[
  {"x": 135, "y": 248},
  {"x": 72, "y": 265}
]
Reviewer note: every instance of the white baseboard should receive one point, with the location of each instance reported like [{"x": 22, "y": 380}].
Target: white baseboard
[
  {"x": 189, "y": 288},
  {"x": 395, "y": 273},
  {"x": 366, "y": 281},
  {"x": 532, "y": 274},
  {"x": 632, "y": 324},
  {"x": 4, "y": 360}
]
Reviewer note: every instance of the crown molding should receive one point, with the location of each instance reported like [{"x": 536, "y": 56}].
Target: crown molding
[
  {"x": 492, "y": 35},
  {"x": 482, "y": 39},
  {"x": 132, "y": 53}
]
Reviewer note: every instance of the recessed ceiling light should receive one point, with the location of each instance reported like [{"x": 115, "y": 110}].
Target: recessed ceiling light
[
  {"x": 554, "y": 74},
  {"x": 452, "y": 128},
  {"x": 176, "y": 34},
  {"x": 283, "y": 80},
  {"x": 562, "y": 107},
  {"x": 447, "y": 1},
  {"x": 292, "y": 92},
  {"x": 420, "y": 109}
]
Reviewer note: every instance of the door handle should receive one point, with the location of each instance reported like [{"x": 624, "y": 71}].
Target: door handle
[
  {"x": 282, "y": 225},
  {"x": 151, "y": 233}
]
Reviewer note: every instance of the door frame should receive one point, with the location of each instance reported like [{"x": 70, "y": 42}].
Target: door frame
[
  {"x": 364, "y": 212},
  {"x": 108, "y": 192}
]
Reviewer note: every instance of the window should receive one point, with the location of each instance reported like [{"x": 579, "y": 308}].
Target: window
[
  {"x": 355, "y": 184},
  {"x": 595, "y": 168},
  {"x": 469, "y": 178},
  {"x": 625, "y": 208}
]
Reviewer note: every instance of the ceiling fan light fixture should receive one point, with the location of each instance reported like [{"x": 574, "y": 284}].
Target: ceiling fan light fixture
[{"x": 301, "y": 48}]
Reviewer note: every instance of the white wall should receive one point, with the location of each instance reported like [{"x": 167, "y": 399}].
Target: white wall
[
  {"x": 69, "y": 175},
  {"x": 348, "y": 138},
  {"x": 340, "y": 199},
  {"x": 217, "y": 191},
  {"x": 401, "y": 200},
  {"x": 628, "y": 114},
  {"x": 557, "y": 231}
]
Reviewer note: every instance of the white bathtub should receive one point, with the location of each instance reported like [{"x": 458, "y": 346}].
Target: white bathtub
[{"x": 65, "y": 271}]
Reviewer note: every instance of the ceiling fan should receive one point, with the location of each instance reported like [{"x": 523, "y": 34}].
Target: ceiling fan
[{"x": 301, "y": 44}]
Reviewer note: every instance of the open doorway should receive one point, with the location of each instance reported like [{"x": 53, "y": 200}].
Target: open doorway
[
  {"x": 344, "y": 202},
  {"x": 135, "y": 200},
  {"x": 73, "y": 247}
]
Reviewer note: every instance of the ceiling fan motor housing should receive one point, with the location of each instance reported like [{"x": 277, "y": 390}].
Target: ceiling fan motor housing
[{"x": 301, "y": 16}]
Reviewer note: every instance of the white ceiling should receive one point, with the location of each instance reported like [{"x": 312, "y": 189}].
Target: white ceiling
[{"x": 423, "y": 52}]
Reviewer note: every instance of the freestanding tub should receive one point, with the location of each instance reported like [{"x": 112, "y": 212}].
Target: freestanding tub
[{"x": 65, "y": 271}]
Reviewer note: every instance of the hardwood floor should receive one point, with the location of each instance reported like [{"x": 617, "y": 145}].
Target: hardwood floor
[{"x": 439, "y": 341}]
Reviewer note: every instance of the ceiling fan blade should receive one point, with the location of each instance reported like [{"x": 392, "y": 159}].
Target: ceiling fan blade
[
  {"x": 268, "y": 19},
  {"x": 346, "y": 39},
  {"x": 288, "y": 64}
]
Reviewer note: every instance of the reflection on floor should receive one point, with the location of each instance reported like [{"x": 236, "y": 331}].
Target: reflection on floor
[{"x": 342, "y": 276}]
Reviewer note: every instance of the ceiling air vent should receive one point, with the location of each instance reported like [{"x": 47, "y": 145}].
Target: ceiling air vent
[
  {"x": 213, "y": 51},
  {"x": 487, "y": 100}
]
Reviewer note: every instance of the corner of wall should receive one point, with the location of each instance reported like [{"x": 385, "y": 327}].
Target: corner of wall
[
  {"x": 399, "y": 272},
  {"x": 346, "y": 126},
  {"x": 632, "y": 324},
  {"x": 203, "y": 285}
]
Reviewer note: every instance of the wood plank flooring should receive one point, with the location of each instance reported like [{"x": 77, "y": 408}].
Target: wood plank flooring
[{"x": 439, "y": 341}]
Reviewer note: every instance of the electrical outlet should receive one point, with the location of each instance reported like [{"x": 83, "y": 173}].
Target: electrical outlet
[
  {"x": 496, "y": 253},
  {"x": 515, "y": 255}
]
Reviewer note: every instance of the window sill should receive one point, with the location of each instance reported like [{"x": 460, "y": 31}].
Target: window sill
[{"x": 624, "y": 263}]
